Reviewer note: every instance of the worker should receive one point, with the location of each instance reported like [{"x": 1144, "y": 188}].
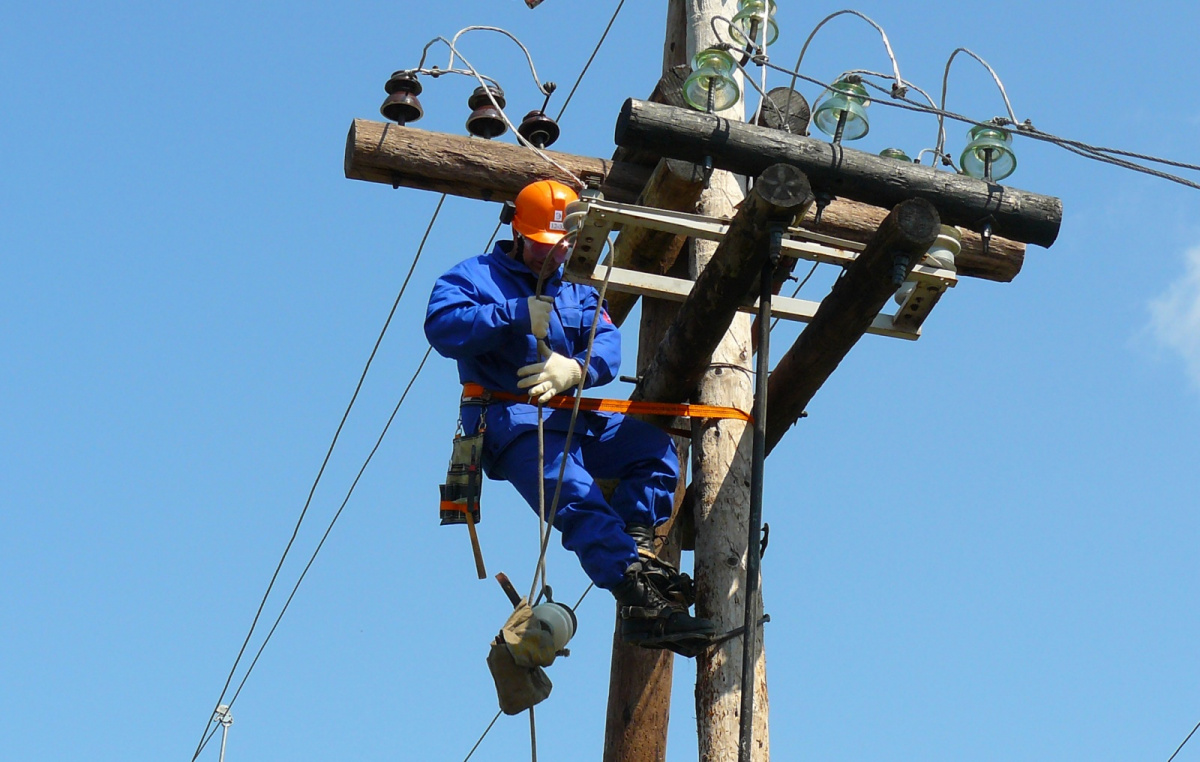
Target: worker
[{"x": 518, "y": 345}]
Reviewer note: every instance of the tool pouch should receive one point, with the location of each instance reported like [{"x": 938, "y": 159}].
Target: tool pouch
[
  {"x": 516, "y": 659},
  {"x": 464, "y": 481}
]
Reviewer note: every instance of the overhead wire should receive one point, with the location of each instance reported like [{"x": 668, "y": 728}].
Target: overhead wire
[
  {"x": 333, "y": 521},
  {"x": 946, "y": 81},
  {"x": 811, "y": 270},
  {"x": 886, "y": 44},
  {"x": 312, "y": 491},
  {"x": 208, "y": 735},
  {"x": 485, "y": 732},
  {"x": 587, "y": 65},
  {"x": 1083, "y": 149},
  {"x": 1189, "y": 737}
]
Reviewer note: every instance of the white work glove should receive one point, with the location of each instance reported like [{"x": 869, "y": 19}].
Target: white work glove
[
  {"x": 539, "y": 315},
  {"x": 546, "y": 379}
]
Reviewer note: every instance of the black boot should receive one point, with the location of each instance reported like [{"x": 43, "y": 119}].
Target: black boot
[
  {"x": 650, "y": 620},
  {"x": 672, "y": 583}
]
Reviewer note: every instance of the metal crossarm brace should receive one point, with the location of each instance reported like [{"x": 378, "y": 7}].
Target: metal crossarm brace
[{"x": 603, "y": 216}]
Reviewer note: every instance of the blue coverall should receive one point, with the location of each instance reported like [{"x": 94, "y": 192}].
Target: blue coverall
[{"x": 479, "y": 315}]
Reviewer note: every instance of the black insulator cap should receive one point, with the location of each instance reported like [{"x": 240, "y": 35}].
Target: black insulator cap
[
  {"x": 479, "y": 97},
  {"x": 402, "y": 105},
  {"x": 539, "y": 129},
  {"x": 403, "y": 81},
  {"x": 485, "y": 120}
]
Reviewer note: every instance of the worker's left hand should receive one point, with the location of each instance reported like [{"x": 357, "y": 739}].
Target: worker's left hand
[{"x": 546, "y": 379}]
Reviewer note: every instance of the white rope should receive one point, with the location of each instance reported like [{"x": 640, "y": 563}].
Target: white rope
[{"x": 540, "y": 569}]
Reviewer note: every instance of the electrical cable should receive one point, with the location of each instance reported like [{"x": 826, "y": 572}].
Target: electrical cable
[
  {"x": 911, "y": 86},
  {"x": 811, "y": 270},
  {"x": 586, "y": 590},
  {"x": 485, "y": 732},
  {"x": 1189, "y": 736},
  {"x": 579, "y": 79},
  {"x": 332, "y": 521},
  {"x": 454, "y": 52},
  {"x": 312, "y": 491},
  {"x": 1078, "y": 147},
  {"x": 492, "y": 98},
  {"x": 321, "y": 544},
  {"x": 886, "y": 44},
  {"x": 945, "y": 82},
  {"x": 207, "y": 736}
]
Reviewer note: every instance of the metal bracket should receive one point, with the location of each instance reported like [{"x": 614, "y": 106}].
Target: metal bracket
[{"x": 603, "y": 216}]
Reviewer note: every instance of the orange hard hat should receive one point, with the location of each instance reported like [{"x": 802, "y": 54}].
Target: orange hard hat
[{"x": 541, "y": 210}]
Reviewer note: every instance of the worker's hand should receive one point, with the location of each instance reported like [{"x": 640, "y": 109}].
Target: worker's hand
[
  {"x": 546, "y": 379},
  {"x": 539, "y": 315}
]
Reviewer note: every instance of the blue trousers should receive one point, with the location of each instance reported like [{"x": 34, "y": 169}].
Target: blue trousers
[{"x": 606, "y": 446}]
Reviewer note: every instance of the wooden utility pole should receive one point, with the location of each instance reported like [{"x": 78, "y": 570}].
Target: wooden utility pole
[
  {"x": 639, "y": 692},
  {"x": 701, "y": 350},
  {"x": 721, "y": 464}
]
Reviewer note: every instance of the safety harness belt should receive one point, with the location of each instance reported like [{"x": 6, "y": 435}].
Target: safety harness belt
[{"x": 473, "y": 391}]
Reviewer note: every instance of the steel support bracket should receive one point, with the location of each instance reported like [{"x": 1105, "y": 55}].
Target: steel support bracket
[{"x": 604, "y": 216}]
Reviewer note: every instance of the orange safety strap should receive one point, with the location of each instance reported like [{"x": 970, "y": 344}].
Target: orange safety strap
[{"x": 564, "y": 402}]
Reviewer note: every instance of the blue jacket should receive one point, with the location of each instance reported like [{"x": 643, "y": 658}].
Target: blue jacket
[{"x": 478, "y": 315}]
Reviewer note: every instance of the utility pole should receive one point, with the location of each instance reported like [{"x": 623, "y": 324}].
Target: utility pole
[
  {"x": 721, "y": 462},
  {"x": 702, "y": 350},
  {"x": 639, "y": 693}
]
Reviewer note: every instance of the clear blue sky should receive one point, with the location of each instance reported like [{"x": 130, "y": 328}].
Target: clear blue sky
[{"x": 983, "y": 544}]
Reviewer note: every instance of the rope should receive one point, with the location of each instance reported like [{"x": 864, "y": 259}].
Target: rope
[
  {"x": 562, "y": 468},
  {"x": 532, "y": 735}
]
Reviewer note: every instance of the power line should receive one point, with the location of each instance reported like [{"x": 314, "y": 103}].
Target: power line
[
  {"x": 207, "y": 736},
  {"x": 1080, "y": 148},
  {"x": 589, "y": 61},
  {"x": 487, "y": 730},
  {"x": 1189, "y": 737},
  {"x": 304, "y": 511},
  {"x": 333, "y": 521}
]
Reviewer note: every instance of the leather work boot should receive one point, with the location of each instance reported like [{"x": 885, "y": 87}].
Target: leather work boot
[
  {"x": 650, "y": 620},
  {"x": 672, "y": 583}
]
